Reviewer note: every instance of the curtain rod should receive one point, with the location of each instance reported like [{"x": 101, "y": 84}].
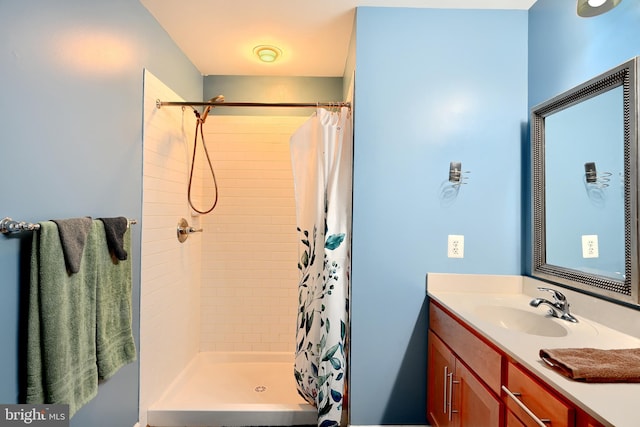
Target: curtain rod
[{"x": 160, "y": 104}]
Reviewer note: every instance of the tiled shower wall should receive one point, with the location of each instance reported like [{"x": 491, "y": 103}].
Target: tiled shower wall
[
  {"x": 249, "y": 251},
  {"x": 170, "y": 270},
  {"x": 232, "y": 287}
]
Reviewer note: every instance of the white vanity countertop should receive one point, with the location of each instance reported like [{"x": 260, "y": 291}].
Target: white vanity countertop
[{"x": 467, "y": 296}]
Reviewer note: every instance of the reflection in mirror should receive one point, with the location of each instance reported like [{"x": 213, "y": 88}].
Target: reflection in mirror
[
  {"x": 581, "y": 199},
  {"x": 584, "y": 169}
]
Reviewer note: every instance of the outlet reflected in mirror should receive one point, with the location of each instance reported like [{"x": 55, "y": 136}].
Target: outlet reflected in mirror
[{"x": 576, "y": 201}]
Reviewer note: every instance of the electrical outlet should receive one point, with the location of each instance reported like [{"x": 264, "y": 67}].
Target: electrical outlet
[
  {"x": 455, "y": 248},
  {"x": 590, "y": 246}
]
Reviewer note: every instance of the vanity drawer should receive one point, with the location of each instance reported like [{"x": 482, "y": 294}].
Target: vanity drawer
[
  {"x": 537, "y": 398},
  {"x": 483, "y": 359},
  {"x": 513, "y": 421}
]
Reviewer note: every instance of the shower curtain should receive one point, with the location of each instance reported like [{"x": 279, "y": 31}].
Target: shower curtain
[{"x": 322, "y": 154}]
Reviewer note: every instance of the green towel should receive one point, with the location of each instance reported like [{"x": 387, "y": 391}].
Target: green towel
[
  {"x": 61, "y": 349},
  {"x": 79, "y": 325},
  {"x": 114, "y": 336}
]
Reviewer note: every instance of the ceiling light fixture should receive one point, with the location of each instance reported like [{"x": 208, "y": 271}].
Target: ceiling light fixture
[
  {"x": 589, "y": 8},
  {"x": 267, "y": 53}
]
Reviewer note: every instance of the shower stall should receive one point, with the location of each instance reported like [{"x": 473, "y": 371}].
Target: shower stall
[{"x": 218, "y": 311}]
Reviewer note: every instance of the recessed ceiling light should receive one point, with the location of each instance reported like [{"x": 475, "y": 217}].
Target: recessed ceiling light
[{"x": 267, "y": 53}]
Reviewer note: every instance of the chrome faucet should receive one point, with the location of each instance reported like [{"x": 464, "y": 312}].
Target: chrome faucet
[{"x": 559, "y": 308}]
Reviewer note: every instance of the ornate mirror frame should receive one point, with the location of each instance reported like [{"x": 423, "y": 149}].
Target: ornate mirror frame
[{"x": 624, "y": 290}]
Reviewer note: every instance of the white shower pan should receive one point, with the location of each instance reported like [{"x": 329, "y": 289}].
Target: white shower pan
[{"x": 233, "y": 389}]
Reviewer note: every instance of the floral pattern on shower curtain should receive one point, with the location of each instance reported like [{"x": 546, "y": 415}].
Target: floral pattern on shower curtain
[{"x": 322, "y": 157}]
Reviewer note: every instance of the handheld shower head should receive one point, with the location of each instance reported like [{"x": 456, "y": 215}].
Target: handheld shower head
[{"x": 205, "y": 113}]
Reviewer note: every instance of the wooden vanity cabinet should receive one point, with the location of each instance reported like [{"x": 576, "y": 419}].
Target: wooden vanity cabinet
[
  {"x": 471, "y": 383},
  {"x": 456, "y": 395}
]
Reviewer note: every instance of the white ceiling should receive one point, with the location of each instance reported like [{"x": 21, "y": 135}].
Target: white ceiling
[{"x": 218, "y": 36}]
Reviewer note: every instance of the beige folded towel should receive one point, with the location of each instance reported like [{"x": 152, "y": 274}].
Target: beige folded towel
[{"x": 595, "y": 365}]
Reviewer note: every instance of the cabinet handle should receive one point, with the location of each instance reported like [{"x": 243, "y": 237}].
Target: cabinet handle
[
  {"x": 451, "y": 383},
  {"x": 444, "y": 396},
  {"x": 525, "y": 408}
]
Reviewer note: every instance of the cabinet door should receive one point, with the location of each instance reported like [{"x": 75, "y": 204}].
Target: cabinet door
[
  {"x": 441, "y": 364},
  {"x": 476, "y": 406},
  {"x": 455, "y": 397}
]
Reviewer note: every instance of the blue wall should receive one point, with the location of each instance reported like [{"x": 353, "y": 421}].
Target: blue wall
[
  {"x": 432, "y": 86},
  {"x": 271, "y": 89},
  {"x": 566, "y": 50},
  {"x": 71, "y": 140}
]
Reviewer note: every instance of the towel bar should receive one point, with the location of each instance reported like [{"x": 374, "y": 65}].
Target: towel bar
[{"x": 7, "y": 225}]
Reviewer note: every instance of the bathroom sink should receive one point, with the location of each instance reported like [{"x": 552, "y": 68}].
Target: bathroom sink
[{"x": 523, "y": 321}]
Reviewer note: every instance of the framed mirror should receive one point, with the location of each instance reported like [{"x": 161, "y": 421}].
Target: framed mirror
[{"x": 585, "y": 183}]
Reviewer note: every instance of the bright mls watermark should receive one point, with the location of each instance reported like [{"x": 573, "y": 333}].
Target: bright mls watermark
[{"x": 34, "y": 415}]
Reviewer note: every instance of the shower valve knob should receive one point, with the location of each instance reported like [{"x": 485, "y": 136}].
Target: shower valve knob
[
  {"x": 184, "y": 229},
  {"x": 189, "y": 230}
]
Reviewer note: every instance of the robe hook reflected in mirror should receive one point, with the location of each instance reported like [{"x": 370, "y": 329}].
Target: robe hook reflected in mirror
[{"x": 591, "y": 175}]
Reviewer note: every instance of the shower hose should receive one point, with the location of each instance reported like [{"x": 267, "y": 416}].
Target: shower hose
[{"x": 199, "y": 123}]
